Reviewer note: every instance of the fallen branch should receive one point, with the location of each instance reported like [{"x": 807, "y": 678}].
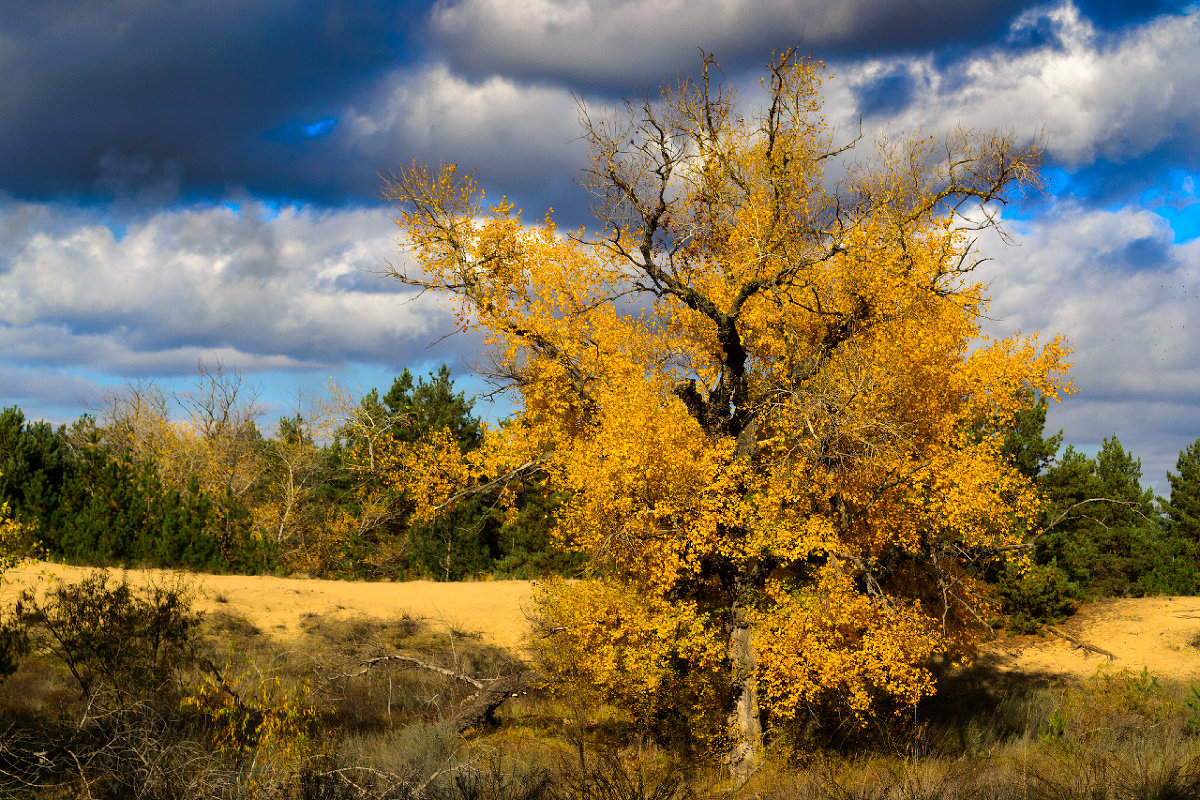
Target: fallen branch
[
  {"x": 480, "y": 709},
  {"x": 409, "y": 661},
  {"x": 1079, "y": 644}
]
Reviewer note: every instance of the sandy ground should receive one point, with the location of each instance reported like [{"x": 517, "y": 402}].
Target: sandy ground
[
  {"x": 1161, "y": 634},
  {"x": 493, "y": 609}
]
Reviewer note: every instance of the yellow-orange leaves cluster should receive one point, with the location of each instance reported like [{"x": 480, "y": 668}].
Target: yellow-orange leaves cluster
[
  {"x": 625, "y": 649},
  {"x": 10, "y": 540},
  {"x": 828, "y": 644},
  {"x": 763, "y": 393}
]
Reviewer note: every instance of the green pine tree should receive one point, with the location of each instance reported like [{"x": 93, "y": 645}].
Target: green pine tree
[
  {"x": 33, "y": 467},
  {"x": 1026, "y": 444},
  {"x": 417, "y": 408},
  {"x": 1183, "y": 511},
  {"x": 1105, "y": 532}
]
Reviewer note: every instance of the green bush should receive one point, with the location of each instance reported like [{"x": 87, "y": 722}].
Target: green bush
[
  {"x": 1033, "y": 595},
  {"x": 124, "y": 643}
]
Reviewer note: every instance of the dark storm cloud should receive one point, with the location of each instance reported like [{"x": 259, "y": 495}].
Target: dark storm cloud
[
  {"x": 613, "y": 45},
  {"x": 610, "y": 46},
  {"x": 149, "y": 102},
  {"x": 110, "y": 97}
]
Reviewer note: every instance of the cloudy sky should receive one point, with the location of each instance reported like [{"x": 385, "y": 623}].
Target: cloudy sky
[{"x": 184, "y": 181}]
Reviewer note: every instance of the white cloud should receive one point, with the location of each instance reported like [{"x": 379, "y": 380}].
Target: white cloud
[
  {"x": 1125, "y": 294},
  {"x": 1115, "y": 96},
  {"x": 256, "y": 289}
]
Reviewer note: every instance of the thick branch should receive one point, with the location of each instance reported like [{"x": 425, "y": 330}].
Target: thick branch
[
  {"x": 1066, "y": 514},
  {"x": 480, "y": 709}
]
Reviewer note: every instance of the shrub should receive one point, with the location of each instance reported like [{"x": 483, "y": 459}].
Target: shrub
[
  {"x": 114, "y": 638},
  {"x": 1034, "y": 594}
]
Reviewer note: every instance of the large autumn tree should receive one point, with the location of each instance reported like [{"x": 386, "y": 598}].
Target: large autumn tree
[{"x": 762, "y": 392}]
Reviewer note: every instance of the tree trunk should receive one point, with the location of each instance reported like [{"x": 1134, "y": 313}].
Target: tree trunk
[
  {"x": 745, "y": 717},
  {"x": 479, "y": 711}
]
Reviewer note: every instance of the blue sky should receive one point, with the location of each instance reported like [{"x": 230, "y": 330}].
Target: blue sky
[{"x": 200, "y": 181}]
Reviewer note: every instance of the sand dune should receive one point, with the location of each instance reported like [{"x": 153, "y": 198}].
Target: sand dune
[
  {"x": 493, "y": 609},
  {"x": 1161, "y": 634}
]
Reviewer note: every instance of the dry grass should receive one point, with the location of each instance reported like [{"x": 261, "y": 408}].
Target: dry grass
[{"x": 1032, "y": 719}]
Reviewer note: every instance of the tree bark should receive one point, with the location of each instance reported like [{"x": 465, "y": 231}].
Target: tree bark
[
  {"x": 480, "y": 710},
  {"x": 745, "y": 717}
]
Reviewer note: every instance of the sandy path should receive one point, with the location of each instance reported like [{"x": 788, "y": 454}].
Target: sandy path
[
  {"x": 493, "y": 609},
  {"x": 1161, "y": 634}
]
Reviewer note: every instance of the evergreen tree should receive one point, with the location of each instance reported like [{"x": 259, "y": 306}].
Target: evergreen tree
[
  {"x": 184, "y": 541},
  {"x": 473, "y": 538},
  {"x": 1106, "y": 532},
  {"x": 1026, "y": 443},
  {"x": 116, "y": 510},
  {"x": 526, "y": 545},
  {"x": 458, "y": 544},
  {"x": 33, "y": 467},
  {"x": 111, "y": 511},
  {"x": 1183, "y": 511},
  {"x": 415, "y": 409},
  {"x": 1030, "y": 594}
]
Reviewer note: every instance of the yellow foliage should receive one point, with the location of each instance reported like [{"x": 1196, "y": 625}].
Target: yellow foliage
[
  {"x": 218, "y": 442},
  {"x": 825, "y": 639},
  {"x": 219, "y": 445},
  {"x": 601, "y": 644},
  {"x": 765, "y": 396},
  {"x": 256, "y": 720},
  {"x": 10, "y": 540}
]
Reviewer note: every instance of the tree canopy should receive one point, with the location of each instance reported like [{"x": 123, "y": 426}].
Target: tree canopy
[
  {"x": 1104, "y": 531},
  {"x": 1183, "y": 509},
  {"x": 760, "y": 392}
]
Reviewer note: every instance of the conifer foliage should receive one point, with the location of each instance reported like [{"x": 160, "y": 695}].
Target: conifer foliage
[
  {"x": 1104, "y": 530},
  {"x": 758, "y": 395},
  {"x": 1183, "y": 510}
]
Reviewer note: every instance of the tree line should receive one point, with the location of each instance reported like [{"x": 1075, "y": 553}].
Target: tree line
[
  {"x": 131, "y": 485},
  {"x": 1101, "y": 533},
  {"x": 190, "y": 479}
]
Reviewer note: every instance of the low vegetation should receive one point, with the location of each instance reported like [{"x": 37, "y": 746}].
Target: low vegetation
[{"x": 118, "y": 691}]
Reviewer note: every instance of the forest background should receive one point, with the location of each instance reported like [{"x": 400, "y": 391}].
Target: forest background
[
  {"x": 195, "y": 480},
  {"x": 191, "y": 480}
]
